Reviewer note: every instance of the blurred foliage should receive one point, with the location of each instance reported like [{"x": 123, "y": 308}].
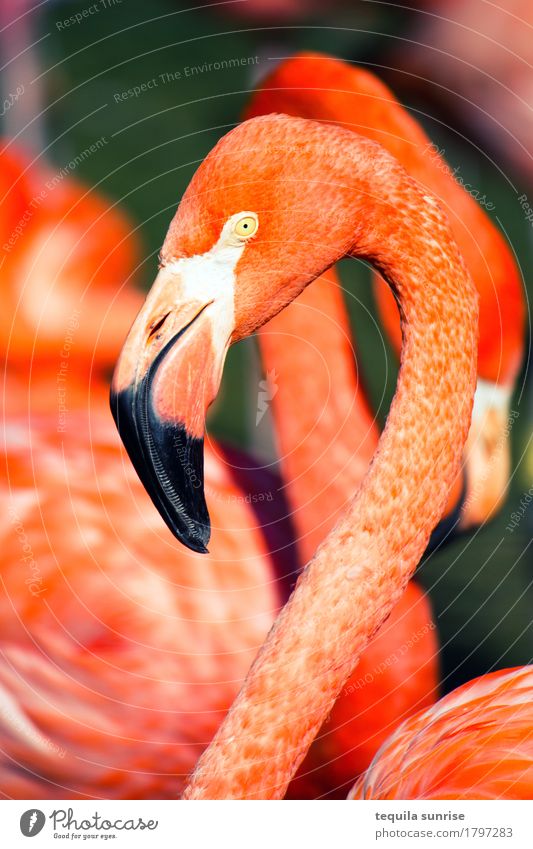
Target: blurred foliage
[{"x": 480, "y": 585}]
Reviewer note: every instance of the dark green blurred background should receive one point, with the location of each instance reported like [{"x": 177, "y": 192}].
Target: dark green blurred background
[{"x": 480, "y": 585}]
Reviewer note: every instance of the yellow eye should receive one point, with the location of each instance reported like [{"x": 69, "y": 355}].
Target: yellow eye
[{"x": 246, "y": 226}]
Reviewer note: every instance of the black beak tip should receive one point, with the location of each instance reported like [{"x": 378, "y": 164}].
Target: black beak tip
[
  {"x": 193, "y": 544},
  {"x": 169, "y": 462}
]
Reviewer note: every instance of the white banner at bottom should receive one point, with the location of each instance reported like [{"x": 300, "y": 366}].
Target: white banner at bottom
[{"x": 267, "y": 825}]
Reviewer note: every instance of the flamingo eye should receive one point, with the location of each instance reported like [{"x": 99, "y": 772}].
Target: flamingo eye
[{"x": 246, "y": 226}]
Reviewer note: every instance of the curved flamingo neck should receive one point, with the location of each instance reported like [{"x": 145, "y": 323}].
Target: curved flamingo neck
[{"x": 359, "y": 572}]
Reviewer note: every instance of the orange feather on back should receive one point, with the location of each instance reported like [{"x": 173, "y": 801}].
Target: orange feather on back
[{"x": 475, "y": 743}]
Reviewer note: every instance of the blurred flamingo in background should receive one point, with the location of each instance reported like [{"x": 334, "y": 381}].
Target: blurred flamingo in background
[
  {"x": 66, "y": 255},
  {"x": 119, "y": 651},
  {"x": 104, "y": 622},
  {"x": 483, "y": 73},
  {"x": 323, "y": 88},
  {"x": 316, "y": 193}
]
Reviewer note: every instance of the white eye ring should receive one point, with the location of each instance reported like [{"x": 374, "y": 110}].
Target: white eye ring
[{"x": 246, "y": 226}]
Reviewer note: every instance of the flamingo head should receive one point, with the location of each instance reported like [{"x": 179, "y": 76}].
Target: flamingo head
[{"x": 268, "y": 210}]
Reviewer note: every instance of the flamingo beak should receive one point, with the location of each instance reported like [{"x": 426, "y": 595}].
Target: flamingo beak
[{"x": 168, "y": 373}]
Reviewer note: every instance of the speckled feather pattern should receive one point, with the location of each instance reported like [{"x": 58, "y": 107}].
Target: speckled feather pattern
[
  {"x": 475, "y": 743},
  {"x": 389, "y": 684},
  {"x": 323, "y": 192}
]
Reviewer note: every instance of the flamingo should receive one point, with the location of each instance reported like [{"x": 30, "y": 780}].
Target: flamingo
[
  {"x": 120, "y": 655},
  {"x": 63, "y": 247},
  {"x": 56, "y": 286},
  {"x": 315, "y": 193},
  {"x": 475, "y": 743}
]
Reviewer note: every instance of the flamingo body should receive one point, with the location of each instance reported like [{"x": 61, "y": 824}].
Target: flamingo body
[
  {"x": 120, "y": 653},
  {"x": 118, "y": 649},
  {"x": 475, "y": 743}
]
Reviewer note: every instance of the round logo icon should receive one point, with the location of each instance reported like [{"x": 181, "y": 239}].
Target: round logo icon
[{"x": 32, "y": 822}]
